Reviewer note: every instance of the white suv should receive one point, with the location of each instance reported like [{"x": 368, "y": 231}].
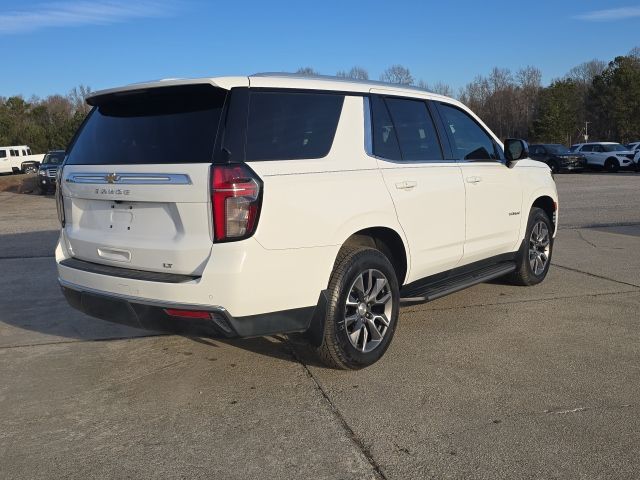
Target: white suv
[
  {"x": 610, "y": 156},
  {"x": 248, "y": 206}
]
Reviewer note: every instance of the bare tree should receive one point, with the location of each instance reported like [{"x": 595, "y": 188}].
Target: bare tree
[
  {"x": 587, "y": 71},
  {"x": 440, "y": 88},
  {"x": 397, "y": 74},
  {"x": 635, "y": 52},
  {"x": 78, "y": 98},
  {"x": 357, "y": 73},
  {"x": 307, "y": 71}
]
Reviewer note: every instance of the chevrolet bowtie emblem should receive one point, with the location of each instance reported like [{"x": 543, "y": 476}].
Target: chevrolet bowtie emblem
[{"x": 112, "y": 178}]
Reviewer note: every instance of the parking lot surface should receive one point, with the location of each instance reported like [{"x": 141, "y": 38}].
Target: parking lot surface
[{"x": 495, "y": 382}]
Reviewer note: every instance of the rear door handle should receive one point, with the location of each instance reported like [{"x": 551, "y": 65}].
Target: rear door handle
[
  {"x": 474, "y": 179},
  {"x": 406, "y": 185}
]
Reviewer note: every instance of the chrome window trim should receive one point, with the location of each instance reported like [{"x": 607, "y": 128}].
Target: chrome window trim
[{"x": 115, "y": 178}]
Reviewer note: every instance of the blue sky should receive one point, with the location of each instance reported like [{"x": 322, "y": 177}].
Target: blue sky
[{"x": 49, "y": 47}]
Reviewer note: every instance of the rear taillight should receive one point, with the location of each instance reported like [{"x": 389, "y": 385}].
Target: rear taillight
[
  {"x": 235, "y": 199},
  {"x": 59, "y": 200}
]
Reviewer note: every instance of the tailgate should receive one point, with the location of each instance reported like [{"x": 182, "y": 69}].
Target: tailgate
[{"x": 155, "y": 217}]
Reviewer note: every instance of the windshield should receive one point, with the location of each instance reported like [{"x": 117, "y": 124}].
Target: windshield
[
  {"x": 160, "y": 125},
  {"x": 53, "y": 158},
  {"x": 614, "y": 147},
  {"x": 558, "y": 149}
]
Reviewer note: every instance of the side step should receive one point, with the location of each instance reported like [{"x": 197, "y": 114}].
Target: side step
[{"x": 426, "y": 291}]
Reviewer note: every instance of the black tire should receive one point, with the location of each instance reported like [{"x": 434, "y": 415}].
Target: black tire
[
  {"x": 337, "y": 350},
  {"x": 524, "y": 274},
  {"x": 612, "y": 165}
]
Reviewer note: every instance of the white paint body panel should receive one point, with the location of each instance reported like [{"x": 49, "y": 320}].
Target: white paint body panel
[{"x": 309, "y": 208}]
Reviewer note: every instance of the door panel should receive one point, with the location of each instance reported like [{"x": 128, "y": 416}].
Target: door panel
[
  {"x": 430, "y": 203},
  {"x": 493, "y": 207}
]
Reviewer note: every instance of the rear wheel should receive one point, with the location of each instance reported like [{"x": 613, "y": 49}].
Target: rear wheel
[
  {"x": 362, "y": 311},
  {"x": 534, "y": 259},
  {"x": 612, "y": 165}
]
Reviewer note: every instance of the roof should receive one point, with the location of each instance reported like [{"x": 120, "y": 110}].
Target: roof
[{"x": 281, "y": 80}]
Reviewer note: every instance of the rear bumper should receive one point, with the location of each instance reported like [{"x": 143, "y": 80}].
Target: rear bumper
[{"x": 151, "y": 315}]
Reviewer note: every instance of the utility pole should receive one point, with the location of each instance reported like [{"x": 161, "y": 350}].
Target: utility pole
[{"x": 586, "y": 131}]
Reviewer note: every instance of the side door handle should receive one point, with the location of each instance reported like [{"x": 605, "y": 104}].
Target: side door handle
[
  {"x": 474, "y": 179},
  {"x": 406, "y": 185}
]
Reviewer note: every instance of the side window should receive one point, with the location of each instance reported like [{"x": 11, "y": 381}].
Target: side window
[
  {"x": 385, "y": 141},
  {"x": 3, "y": 153},
  {"x": 587, "y": 148},
  {"x": 598, "y": 148},
  {"x": 469, "y": 141},
  {"x": 289, "y": 126},
  {"x": 24, "y": 153},
  {"x": 415, "y": 129}
]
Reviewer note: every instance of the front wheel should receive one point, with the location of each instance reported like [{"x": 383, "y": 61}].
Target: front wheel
[
  {"x": 612, "y": 165},
  {"x": 362, "y": 311},
  {"x": 534, "y": 259}
]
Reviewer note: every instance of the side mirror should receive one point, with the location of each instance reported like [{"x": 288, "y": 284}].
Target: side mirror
[{"x": 515, "y": 149}]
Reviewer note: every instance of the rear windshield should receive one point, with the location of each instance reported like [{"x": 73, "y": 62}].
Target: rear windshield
[
  {"x": 53, "y": 158},
  {"x": 161, "y": 125}
]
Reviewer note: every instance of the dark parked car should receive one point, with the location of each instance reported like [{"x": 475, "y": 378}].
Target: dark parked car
[
  {"x": 558, "y": 157},
  {"x": 48, "y": 170}
]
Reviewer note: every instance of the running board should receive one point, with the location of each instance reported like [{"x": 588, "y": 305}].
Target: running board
[{"x": 425, "y": 291}]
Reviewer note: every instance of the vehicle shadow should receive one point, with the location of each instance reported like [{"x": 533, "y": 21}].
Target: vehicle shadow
[
  {"x": 291, "y": 348},
  {"x": 33, "y": 309}
]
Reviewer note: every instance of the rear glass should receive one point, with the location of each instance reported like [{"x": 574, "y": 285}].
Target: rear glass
[
  {"x": 288, "y": 126},
  {"x": 161, "y": 125},
  {"x": 53, "y": 158}
]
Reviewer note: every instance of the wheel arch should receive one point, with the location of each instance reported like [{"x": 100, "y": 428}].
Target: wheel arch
[
  {"x": 550, "y": 207},
  {"x": 389, "y": 242}
]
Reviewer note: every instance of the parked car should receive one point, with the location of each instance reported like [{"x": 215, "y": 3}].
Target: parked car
[
  {"x": 318, "y": 207},
  {"x": 48, "y": 170},
  {"x": 610, "y": 156},
  {"x": 19, "y": 159},
  {"x": 558, "y": 157}
]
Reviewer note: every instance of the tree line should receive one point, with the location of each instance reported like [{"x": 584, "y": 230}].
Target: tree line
[
  {"x": 595, "y": 97},
  {"x": 42, "y": 123}
]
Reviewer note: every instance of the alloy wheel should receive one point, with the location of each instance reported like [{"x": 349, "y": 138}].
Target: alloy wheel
[
  {"x": 539, "y": 247},
  {"x": 368, "y": 310}
]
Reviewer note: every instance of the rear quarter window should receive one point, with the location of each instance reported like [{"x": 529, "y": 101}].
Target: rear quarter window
[{"x": 291, "y": 125}]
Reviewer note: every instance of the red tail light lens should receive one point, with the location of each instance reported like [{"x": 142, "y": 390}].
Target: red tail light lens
[
  {"x": 235, "y": 198},
  {"x": 174, "y": 312}
]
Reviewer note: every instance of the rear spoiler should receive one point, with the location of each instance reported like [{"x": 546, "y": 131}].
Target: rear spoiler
[{"x": 226, "y": 83}]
